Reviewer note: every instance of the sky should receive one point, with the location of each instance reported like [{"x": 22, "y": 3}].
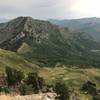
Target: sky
[{"x": 47, "y": 9}]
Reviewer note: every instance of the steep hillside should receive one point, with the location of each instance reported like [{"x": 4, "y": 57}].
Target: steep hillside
[
  {"x": 88, "y": 25},
  {"x": 11, "y": 59},
  {"x": 45, "y": 44}
]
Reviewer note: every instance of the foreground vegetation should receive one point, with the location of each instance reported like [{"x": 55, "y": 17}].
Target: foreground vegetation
[
  {"x": 74, "y": 78},
  {"x": 81, "y": 84}
]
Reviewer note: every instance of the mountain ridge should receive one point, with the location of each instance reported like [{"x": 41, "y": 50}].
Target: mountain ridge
[
  {"x": 50, "y": 44},
  {"x": 88, "y": 25}
]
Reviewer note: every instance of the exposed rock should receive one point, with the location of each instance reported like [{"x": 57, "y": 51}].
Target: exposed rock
[
  {"x": 45, "y": 96},
  {"x": 41, "y": 96}
]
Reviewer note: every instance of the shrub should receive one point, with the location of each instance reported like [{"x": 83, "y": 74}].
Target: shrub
[
  {"x": 5, "y": 90},
  {"x": 62, "y": 90},
  {"x": 13, "y": 76},
  {"x": 36, "y": 81},
  {"x": 89, "y": 88},
  {"x": 25, "y": 89}
]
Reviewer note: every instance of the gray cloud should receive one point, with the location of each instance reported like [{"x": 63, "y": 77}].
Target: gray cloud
[{"x": 41, "y": 9}]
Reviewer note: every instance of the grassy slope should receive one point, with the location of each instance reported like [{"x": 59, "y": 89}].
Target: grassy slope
[
  {"x": 25, "y": 48},
  {"x": 11, "y": 59},
  {"x": 74, "y": 77}
]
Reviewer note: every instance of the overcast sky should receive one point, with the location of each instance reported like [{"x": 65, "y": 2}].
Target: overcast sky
[{"x": 46, "y": 9}]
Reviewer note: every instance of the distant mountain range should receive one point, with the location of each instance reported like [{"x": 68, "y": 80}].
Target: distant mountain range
[
  {"x": 88, "y": 25},
  {"x": 45, "y": 44}
]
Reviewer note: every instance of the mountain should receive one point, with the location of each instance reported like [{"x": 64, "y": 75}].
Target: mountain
[
  {"x": 45, "y": 44},
  {"x": 88, "y": 25},
  {"x": 26, "y": 43}
]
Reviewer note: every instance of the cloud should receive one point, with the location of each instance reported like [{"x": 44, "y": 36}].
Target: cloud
[{"x": 45, "y": 9}]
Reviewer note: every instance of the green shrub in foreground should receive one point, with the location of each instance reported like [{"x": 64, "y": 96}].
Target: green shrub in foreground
[
  {"x": 62, "y": 90},
  {"x": 25, "y": 89}
]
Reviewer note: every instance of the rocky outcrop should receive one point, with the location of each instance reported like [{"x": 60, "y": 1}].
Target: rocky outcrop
[
  {"x": 41, "y": 96},
  {"x": 45, "y": 96}
]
